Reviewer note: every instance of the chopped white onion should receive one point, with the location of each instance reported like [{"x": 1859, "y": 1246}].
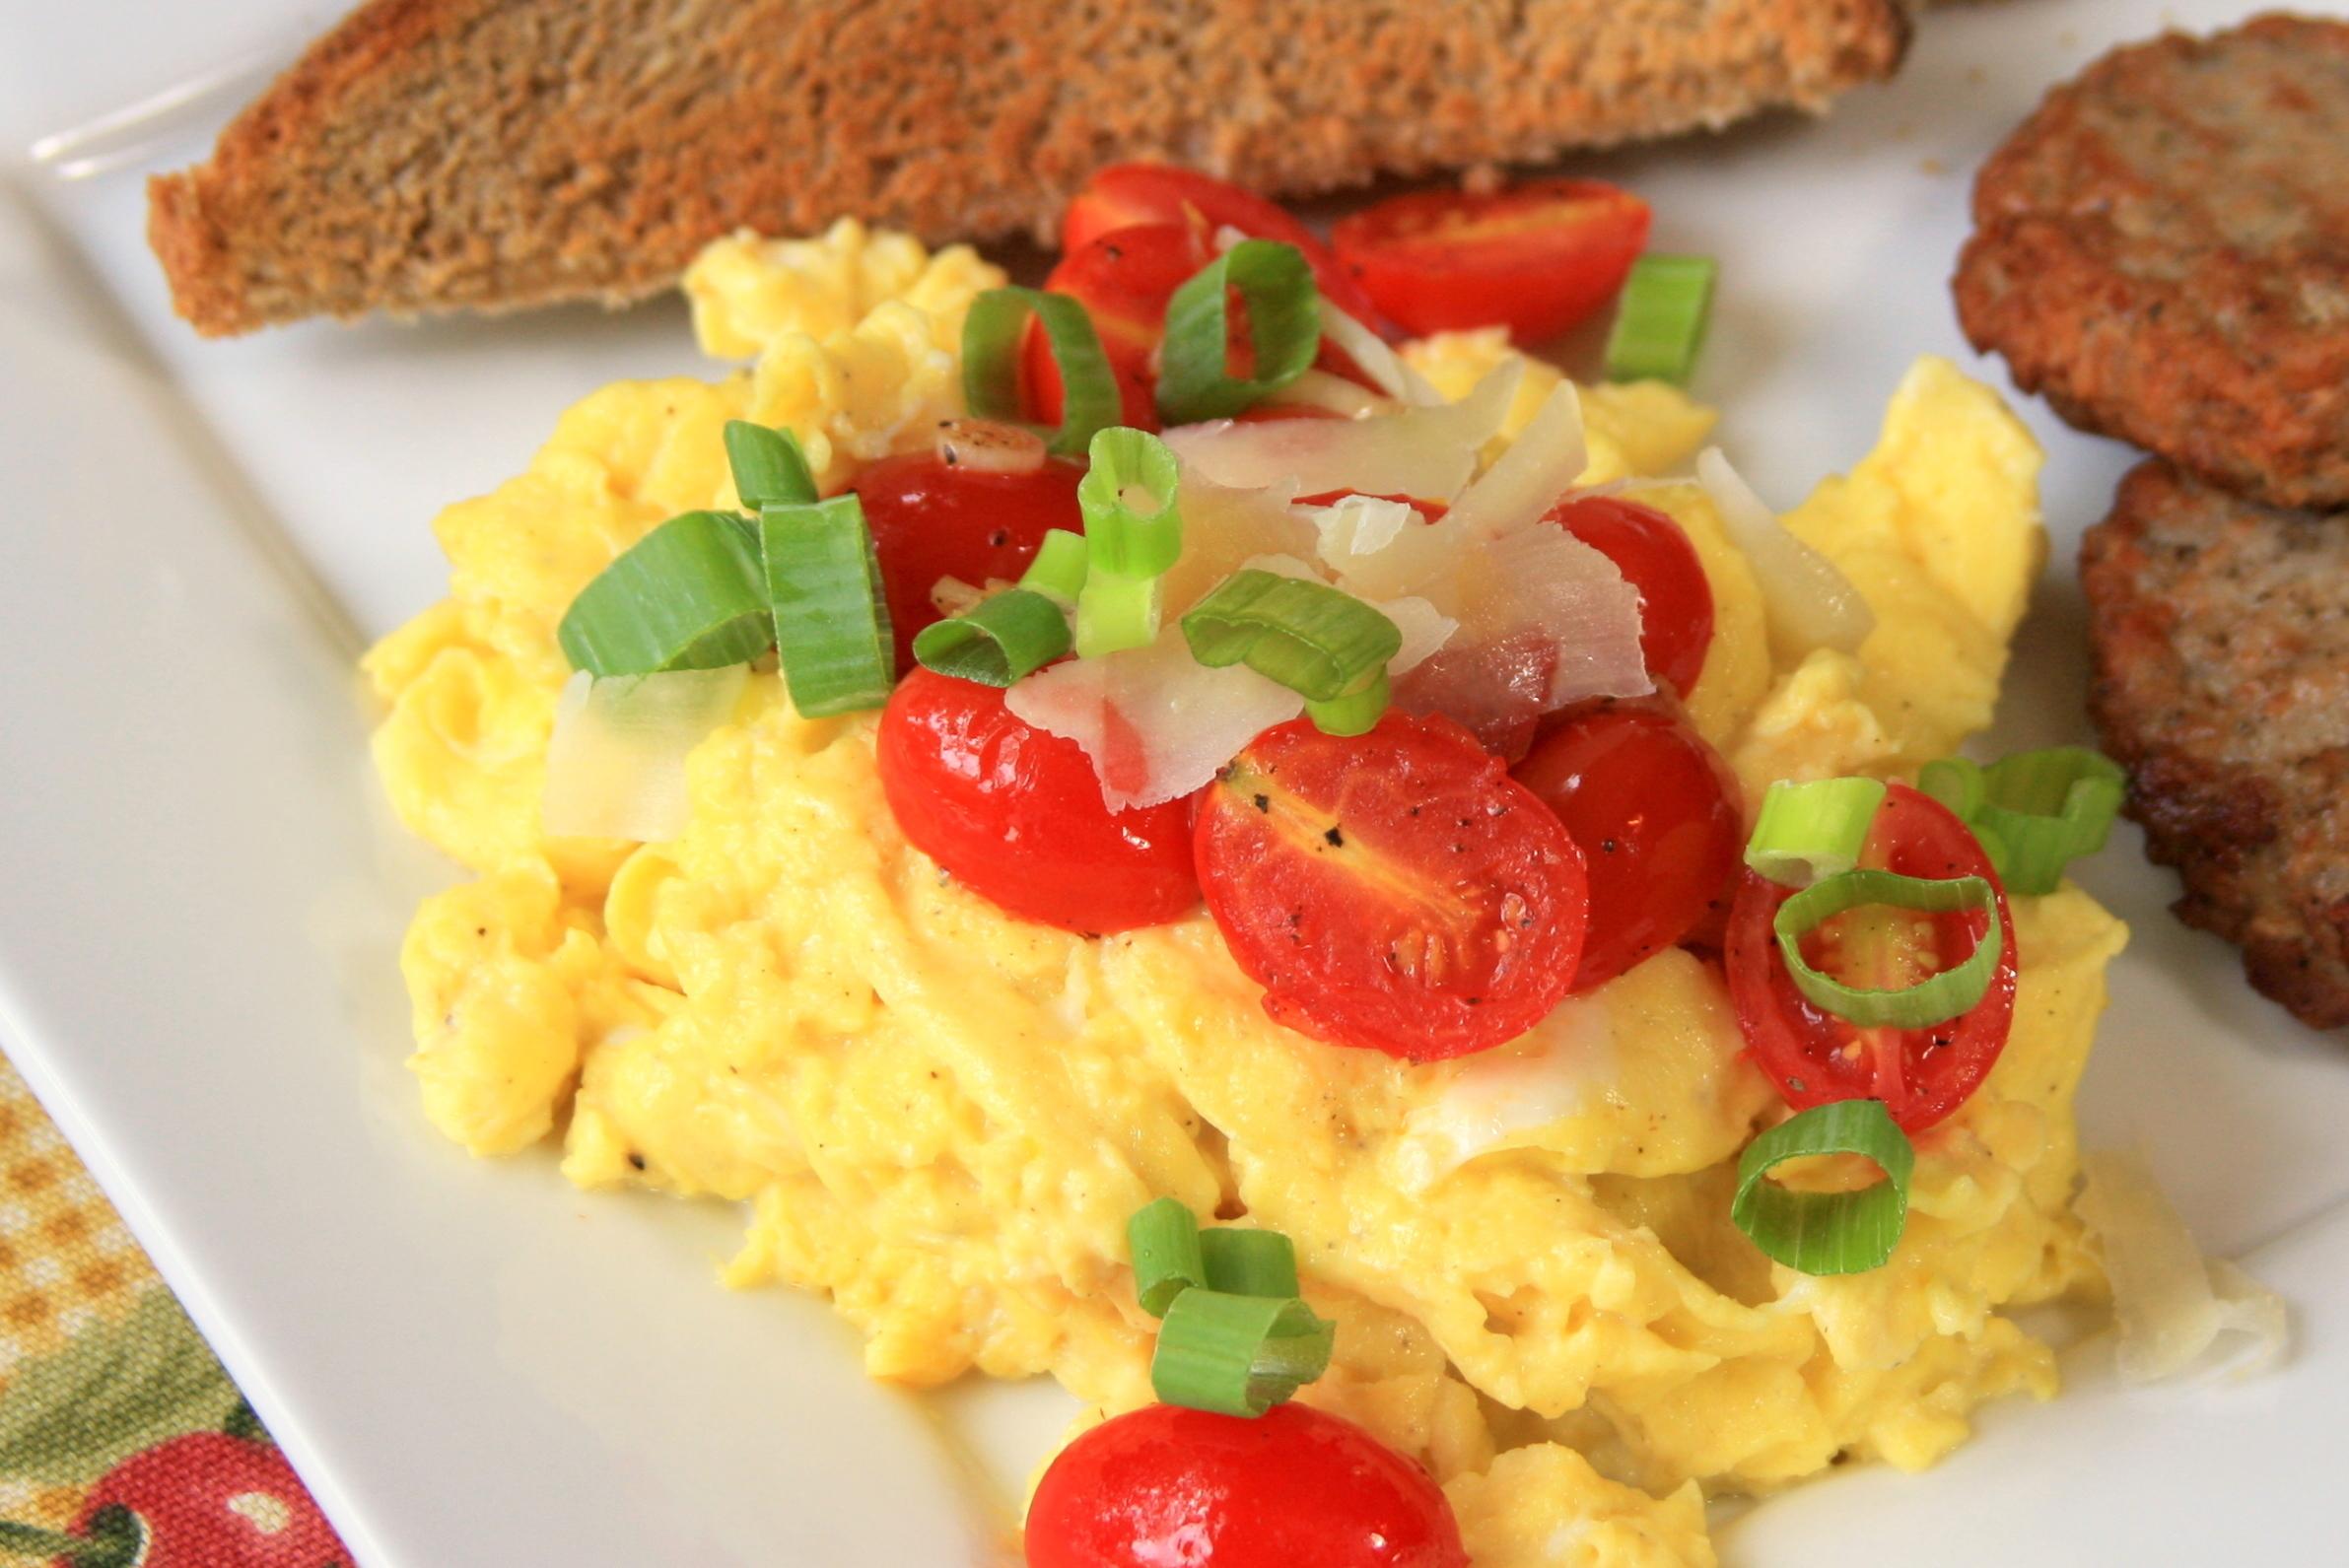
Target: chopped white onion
[
  {"x": 1497, "y": 1098},
  {"x": 987, "y": 446},
  {"x": 1320, "y": 389},
  {"x": 1358, "y": 525},
  {"x": 1429, "y": 453},
  {"x": 1378, "y": 360},
  {"x": 615, "y": 766},
  {"x": 2169, "y": 1302},
  {"x": 1156, "y": 723},
  {"x": 951, "y": 596},
  {"x": 1809, "y": 603},
  {"x": 1538, "y": 466}
]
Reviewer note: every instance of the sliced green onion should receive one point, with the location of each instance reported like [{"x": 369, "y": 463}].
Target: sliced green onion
[
  {"x": 1239, "y": 1355},
  {"x": 1195, "y": 379},
  {"x": 1952, "y": 991},
  {"x": 1357, "y": 711},
  {"x": 1659, "y": 320},
  {"x": 688, "y": 595},
  {"x": 770, "y": 470},
  {"x": 831, "y": 623},
  {"x": 2035, "y": 811},
  {"x": 1807, "y": 831},
  {"x": 1317, "y": 641},
  {"x": 991, "y": 335},
  {"x": 1826, "y": 1233},
  {"x": 1134, "y": 533},
  {"x": 1249, "y": 1262},
  {"x": 1133, "y": 527},
  {"x": 1162, "y": 1237},
  {"x": 996, "y": 640},
  {"x": 1059, "y": 570}
]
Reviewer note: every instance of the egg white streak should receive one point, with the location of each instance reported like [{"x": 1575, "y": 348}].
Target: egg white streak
[
  {"x": 1563, "y": 1065},
  {"x": 615, "y": 765}
]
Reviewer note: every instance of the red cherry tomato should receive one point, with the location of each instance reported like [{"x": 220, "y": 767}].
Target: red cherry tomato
[
  {"x": 1123, "y": 280},
  {"x": 1016, "y": 814},
  {"x": 1294, "y": 1488},
  {"x": 1654, "y": 810},
  {"x": 1653, "y": 553},
  {"x": 1535, "y": 258},
  {"x": 929, "y": 522},
  {"x": 209, "y": 1498},
  {"x": 1125, "y": 194},
  {"x": 1815, "y": 1057},
  {"x": 1395, "y": 890}
]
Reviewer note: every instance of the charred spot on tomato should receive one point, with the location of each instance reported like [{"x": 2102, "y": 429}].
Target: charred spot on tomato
[{"x": 1333, "y": 838}]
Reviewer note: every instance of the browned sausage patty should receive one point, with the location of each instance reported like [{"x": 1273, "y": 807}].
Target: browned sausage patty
[
  {"x": 2221, "y": 630},
  {"x": 2163, "y": 249}
]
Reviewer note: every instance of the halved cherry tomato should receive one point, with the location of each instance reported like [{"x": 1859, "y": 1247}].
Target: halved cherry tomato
[
  {"x": 1396, "y": 890},
  {"x": 1815, "y": 1057},
  {"x": 929, "y": 520},
  {"x": 1535, "y": 258},
  {"x": 1654, "y": 555},
  {"x": 1294, "y": 1488},
  {"x": 1655, "y": 811},
  {"x": 1016, "y": 814},
  {"x": 1123, "y": 281},
  {"x": 1125, "y": 194}
]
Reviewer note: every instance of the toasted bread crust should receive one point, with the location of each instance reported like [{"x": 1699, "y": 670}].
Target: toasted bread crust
[
  {"x": 495, "y": 154},
  {"x": 2163, "y": 249},
  {"x": 2221, "y": 636}
]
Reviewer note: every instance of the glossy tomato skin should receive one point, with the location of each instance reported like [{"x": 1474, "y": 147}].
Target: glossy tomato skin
[
  {"x": 1016, "y": 815},
  {"x": 1922, "y": 1074},
  {"x": 1395, "y": 891},
  {"x": 1125, "y": 194},
  {"x": 1123, "y": 280},
  {"x": 932, "y": 521},
  {"x": 1654, "y": 555},
  {"x": 1536, "y": 259},
  {"x": 1655, "y": 811},
  {"x": 1294, "y": 1488}
]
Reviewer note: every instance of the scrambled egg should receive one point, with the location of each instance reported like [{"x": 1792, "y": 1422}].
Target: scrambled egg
[{"x": 942, "y": 1116}]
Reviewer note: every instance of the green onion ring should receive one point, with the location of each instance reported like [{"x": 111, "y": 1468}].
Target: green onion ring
[
  {"x": 1952, "y": 991},
  {"x": 1249, "y": 1262},
  {"x": 1319, "y": 642},
  {"x": 770, "y": 470},
  {"x": 2035, "y": 811},
  {"x": 831, "y": 622},
  {"x": 687, "y": 595},
  {"x": 1239, "y": 1355},
  {"x": 1134, "y": 533},
  {"x": 1826, "y": 1233},
  {"x": 1807, "y": 831},
  {"x": 1195, "y": 379},
  {"x": 992, "y": 332},
  {"x": 1660, "y": 320},
  {"x": 1162, "y": 1239},
  {"x": 1357, "y": 711},
  {"x": 1059, "y": 570},
  {"x": 996, "y": 640}
]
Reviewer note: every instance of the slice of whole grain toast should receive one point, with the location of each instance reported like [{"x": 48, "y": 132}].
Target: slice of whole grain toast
[{"x": 430, "y": 154}]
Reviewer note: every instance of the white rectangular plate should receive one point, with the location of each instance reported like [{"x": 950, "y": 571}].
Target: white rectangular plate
[{"x": 200, "y": 899}]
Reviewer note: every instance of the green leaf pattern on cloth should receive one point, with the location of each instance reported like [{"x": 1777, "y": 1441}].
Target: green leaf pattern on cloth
[{"x": 124, "y": 1386}]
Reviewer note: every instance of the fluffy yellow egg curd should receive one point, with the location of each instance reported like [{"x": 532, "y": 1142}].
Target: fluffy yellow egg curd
[{"x": 941, "y": 1117}]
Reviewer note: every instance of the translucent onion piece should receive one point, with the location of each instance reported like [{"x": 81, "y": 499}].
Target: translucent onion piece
[
  {"x": 1536, "y": 468},
  {"x": 1225, "y": 528},
  {"x": 1321, "y": 389},
  {"x": 1548, "y": 583},
  {"x": 1358, "y": 525},
  {"x": 2170, "y": 1303},
  {"x": 1809, "y": 603},
  {"x": 1429, "y": 453},
  {"x": 1377, "y": 358},
  {"x": 1156, "y": 723},
  {"x": 615, "y": 767}
]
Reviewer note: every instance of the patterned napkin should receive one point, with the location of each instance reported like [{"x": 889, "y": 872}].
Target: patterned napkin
[{"x": 122, "y": 1443}]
